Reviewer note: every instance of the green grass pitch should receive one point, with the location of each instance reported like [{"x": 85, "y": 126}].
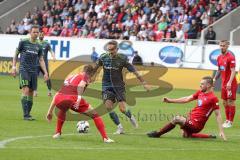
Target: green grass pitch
[{"x": 32, "y": 140}]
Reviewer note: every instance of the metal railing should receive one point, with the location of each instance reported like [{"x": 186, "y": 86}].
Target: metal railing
[{"x": 235, "y": 36}]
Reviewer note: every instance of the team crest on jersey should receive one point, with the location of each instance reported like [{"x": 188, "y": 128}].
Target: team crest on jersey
[
  {"x": 200, "y": 103},
  {"x": 222, "y": 68}
]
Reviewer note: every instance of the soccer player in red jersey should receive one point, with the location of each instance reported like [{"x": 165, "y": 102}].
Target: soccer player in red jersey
[
  {"x": 226, "y": 67},
  {"x": 191, "y": 125},
  {"x": 70, "y": 97}
]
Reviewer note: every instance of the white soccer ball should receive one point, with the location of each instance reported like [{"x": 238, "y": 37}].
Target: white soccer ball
[{"x": 83, "y": 127}]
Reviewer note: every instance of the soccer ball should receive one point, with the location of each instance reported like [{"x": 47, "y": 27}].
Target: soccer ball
[{"x": 83, "y": 127}]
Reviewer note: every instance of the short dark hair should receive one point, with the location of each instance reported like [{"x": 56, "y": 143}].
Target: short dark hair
[
  {"x": 208, "y": 80},
  {"x": 34, "y": 26},
  {"x": 224, "y": 41},
  {"x": 88, "y": 69},
  {"x": 113, "y": 42}
]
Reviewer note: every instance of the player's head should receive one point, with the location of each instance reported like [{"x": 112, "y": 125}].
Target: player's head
[
  {"x": 112, "y": 47},
  {"x": 89, "y": 70},
  {"x": 224, "y": 46},
  {"x": 41, "y": 35},
  {"x": 34, "y": 31},
  {"x": 206, "y": 83}
]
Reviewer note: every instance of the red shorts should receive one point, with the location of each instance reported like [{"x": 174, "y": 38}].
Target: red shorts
[
  {"x": 190, "y": 127},
  {"x": 65, "y": 102},
  {"x": 225, "y": 94}
]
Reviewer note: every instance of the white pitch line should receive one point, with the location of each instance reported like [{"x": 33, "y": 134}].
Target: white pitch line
[
  {"x": 128, "y": 149},
  {"x": 6, "y": 141}
]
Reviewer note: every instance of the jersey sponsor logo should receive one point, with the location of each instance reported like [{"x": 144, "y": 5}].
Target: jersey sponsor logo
[
  {"x": 30, "y": 51},
  {"x": 200, "y": 102},
  {"x": 214, "y": 55},
  {"x": 222, "y": 68},
  {"x": 170, "y": 54}
]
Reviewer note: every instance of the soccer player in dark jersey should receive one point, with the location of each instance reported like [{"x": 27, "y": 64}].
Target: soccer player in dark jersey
[
  {"x": 70, "y": 97},
  {"x": 46, "y": 48},
  {"x": 113, "y": 86},
  {"x": 226, "y": 67},
  {"x": 191, "y": 125},
  {"x": 30, "y": 53}
]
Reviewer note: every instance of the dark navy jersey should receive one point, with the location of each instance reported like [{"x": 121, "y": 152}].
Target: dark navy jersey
[
  {"x": 112, "y": 69},
  {"x": 29, "y": 55},
  {"x": 46, "y": 48}
]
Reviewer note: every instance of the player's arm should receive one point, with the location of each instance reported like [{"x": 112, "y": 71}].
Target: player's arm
[
  {"x": 217, "y": 75},
  {"x": 50, "y": 110},
  {"x": 140, "y": 78},
  {"x": 98, "y": 64},
  {"x": 43, "y": 66},
  {"x": 14, "y": 68},
  {"x": 179, "y": 100},
  {"x": 233, "y": 73},
  {"x": 52, "y": 53},
  {"x": 15, "y": 57},
  {"x": 80, "y": 89},
  {"x": 219, "y": 122},
  {"x": 132, "y": 69}
]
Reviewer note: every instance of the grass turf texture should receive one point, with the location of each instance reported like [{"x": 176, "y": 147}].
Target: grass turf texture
[{"x": 133, "y": 145}]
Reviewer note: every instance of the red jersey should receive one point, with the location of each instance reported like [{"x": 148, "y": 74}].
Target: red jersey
[
  {"x": 225, "y": 63},
  {"x": 206, "y": 104},
  {"x": 71, "y": 83}
]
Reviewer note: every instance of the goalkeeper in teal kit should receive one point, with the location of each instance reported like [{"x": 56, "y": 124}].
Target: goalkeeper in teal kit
[{"x": 113, "y": 86}]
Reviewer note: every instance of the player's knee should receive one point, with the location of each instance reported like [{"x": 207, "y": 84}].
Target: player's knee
[
  {"x": 176, "y": 119},
  {"x": 231, "y": 102},
  {"x": 224, "y": 103}
]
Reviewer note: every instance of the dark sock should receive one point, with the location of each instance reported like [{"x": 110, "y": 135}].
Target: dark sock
[
  {"x": 49, "y": 85},
  {"x": 127, "y": 113},
  {"x": 168, "y": 127},
  {"x": 114, "y": 117},
  {"x": 25, "y": 106},
  {"x": 30, "y": 103}
]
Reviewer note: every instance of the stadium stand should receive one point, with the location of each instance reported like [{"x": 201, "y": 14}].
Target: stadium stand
[{"x": 149, "y": 20}]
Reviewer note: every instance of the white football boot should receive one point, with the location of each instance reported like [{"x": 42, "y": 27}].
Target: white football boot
[
  {"x": 108, "y": 140},
  {"x": 56, "y": 136}
]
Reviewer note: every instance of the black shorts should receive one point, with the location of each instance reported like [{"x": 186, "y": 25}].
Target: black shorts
[
  {"x": 27, "y": 79},
  {"x": 114, "y": 94}
]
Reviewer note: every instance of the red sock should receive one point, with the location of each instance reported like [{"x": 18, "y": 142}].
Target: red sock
[
  {"x": 200, "y": 135},
  {"x": 100, "y": 126},
  {"x": 227, "y": 110},
  {"x": 168, "y": 127},
  {"x": 60, "y": 120},
  {"x": 232, "y": 110}
]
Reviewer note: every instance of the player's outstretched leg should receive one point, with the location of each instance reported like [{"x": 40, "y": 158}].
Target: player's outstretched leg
[
  {"x": 201, "y": 135},
  {"x": 180, "y": 120},
  {"x": 127, "y": 112}
]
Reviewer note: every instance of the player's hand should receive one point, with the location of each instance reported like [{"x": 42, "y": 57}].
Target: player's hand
[
  {"x": 228, "y": 86},
  {"x": 14, "y": 72},
  {"x": 222, "y": 135},
  {"x": 46, "y": 77},
  {"x": 166, "y": 100},
  {"x": 49, "y": 117},
  {"x": 214, "y": 82}
]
